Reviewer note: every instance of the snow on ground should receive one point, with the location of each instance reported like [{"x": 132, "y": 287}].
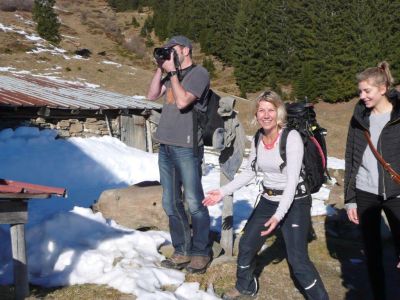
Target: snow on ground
[{"x": 68, "y": 244}]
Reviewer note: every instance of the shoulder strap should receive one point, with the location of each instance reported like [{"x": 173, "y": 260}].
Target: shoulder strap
[
  {"x": 184, "y": 72},
  {"x": 393, "y": 174},
  {"x": 257, "y": 136},
  {"x": 282, "y": 147},
  {"x": 181, "y": 74}
]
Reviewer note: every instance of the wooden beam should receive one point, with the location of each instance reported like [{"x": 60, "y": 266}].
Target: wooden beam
[
  {"x": 13, "y": 212},
  {"x": 19, "y": 258},
  {"x": 227, "y": 220}
]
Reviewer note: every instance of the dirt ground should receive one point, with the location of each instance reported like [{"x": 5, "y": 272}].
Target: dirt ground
[{"x": 335, "y": 118}]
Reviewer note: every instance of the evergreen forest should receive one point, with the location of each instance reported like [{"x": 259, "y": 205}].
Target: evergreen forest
[{"x": 316, "y": 47}]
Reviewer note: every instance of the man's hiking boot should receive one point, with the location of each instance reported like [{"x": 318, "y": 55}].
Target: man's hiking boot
[
  {"x": 176, "y": 261},
  {"x": 198, "y": 264},
  {"x": 234, "y": 294}
]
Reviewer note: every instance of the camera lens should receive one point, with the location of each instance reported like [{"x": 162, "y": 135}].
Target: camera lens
[{"x": 162, "y": 53}]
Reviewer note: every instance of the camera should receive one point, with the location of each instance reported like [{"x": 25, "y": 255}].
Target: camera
[{"x": 163, "y": 53}]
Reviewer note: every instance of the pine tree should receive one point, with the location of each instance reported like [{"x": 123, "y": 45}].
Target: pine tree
[
  {"x": 218, "y": 29},
  {"x": 209, "y": 65},
  {"x": 335, "y": 67},
  {"x": 305, "y": 84},
  {"x": 250, "y": 46},
  {"x": 389, "y": 34},
  {"x": 46, "y": 19},
  {"x": 148, "y": 27},
  {"x": 314, "y": 46},
  {"x": 161, "y": 17},
  {"x": 135, "y": 22}
]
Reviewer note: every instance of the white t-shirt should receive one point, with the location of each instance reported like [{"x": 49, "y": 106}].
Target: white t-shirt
[{"x": 367, "y": 178}]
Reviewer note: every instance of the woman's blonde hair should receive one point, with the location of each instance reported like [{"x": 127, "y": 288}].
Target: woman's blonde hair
[
  {"x": 275, "y": 100},
  {"x": 380, "y": 75}
]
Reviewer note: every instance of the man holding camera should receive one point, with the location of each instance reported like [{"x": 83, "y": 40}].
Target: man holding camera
[{"x": 181, "y": 152}]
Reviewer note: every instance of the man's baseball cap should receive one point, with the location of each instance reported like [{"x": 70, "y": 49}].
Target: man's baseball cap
[{"x": 179, "y": 40}]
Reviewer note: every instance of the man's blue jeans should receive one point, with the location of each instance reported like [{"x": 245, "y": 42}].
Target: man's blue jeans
[{"x": 180, "y": 168}]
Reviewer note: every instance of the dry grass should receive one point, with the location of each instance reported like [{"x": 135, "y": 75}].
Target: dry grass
[{"x": 75, "y": 292}]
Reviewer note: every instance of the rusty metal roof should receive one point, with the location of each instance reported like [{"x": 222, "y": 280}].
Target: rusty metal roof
[
  {"x": 10, "y": 187},
  {"x": 32, "y": 91}
]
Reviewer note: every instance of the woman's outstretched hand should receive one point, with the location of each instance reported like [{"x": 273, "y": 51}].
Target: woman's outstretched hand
[
  {"x": 353, "y": 216},
  {"x": 212, "y": 197},
  {"x": 271, "y": 225}
]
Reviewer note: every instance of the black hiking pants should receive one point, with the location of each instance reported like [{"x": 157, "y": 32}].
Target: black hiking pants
[{"x": 295, "y": 228}]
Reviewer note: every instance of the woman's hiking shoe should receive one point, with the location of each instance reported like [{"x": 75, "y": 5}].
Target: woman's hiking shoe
[
  {"x": 198, "y": 264},
  {"x": 176, "y": 261},
  {"x": 234, "y": 294}
]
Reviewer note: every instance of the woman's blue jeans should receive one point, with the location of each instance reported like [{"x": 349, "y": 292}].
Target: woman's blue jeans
[
  {"x": 180, "y": 168},
  {"x": 294, "y": 227}
]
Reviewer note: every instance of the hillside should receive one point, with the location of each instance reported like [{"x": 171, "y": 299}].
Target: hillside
[{"x": 119, "y": 59}]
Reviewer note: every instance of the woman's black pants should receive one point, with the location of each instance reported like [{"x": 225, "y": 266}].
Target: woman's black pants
[
  {"x": 369, "y": 209},
  {"x": 294, "y": 227}
]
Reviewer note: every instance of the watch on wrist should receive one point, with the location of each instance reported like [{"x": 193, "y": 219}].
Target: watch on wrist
[{"x": 172, "y": 73}]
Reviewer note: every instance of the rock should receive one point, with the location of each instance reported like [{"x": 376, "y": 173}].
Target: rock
[
  {"x": 138, "y": 206},
  {"x": 63, "y": 124},
  {"x": 223, "y": 259},
  {"x": 90, "y": 120},
  {"x": 166, "y": 250},
  {"x": 76, "y": 128},
  {"x": 83, "y": 52}
]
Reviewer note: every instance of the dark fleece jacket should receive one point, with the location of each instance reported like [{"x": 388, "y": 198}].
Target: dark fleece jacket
[{"x": 388, "y": 147}]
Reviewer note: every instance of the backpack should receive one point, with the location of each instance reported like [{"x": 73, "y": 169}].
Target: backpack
[
  {"x": 302, "y": 117},
  {"x": 209, "y": 121}
]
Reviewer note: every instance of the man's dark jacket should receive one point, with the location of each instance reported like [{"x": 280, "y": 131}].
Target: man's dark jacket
[{"x": 388, "y": 146}]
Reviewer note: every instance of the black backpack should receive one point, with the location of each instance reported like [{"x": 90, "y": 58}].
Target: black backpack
[
  {"x": 209, "y": 120},
  {"x": 302, "y": 117}
]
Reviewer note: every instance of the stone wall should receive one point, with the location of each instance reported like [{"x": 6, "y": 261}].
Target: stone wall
[{"x": 69, "y": 127}]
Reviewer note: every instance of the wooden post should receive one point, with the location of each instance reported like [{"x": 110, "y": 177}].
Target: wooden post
[
  {"x": 15, "y": 213},
  {"x": 227, "y": 220},
  {"x": 19, "y": 258},
  {"x": 149, "y": 140}
]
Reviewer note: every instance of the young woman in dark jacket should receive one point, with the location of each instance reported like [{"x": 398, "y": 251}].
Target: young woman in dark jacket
[{"x": 369, "y": 188}]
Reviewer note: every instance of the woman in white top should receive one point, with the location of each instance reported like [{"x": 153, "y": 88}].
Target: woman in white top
[{"x": 284, "y": 202}]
